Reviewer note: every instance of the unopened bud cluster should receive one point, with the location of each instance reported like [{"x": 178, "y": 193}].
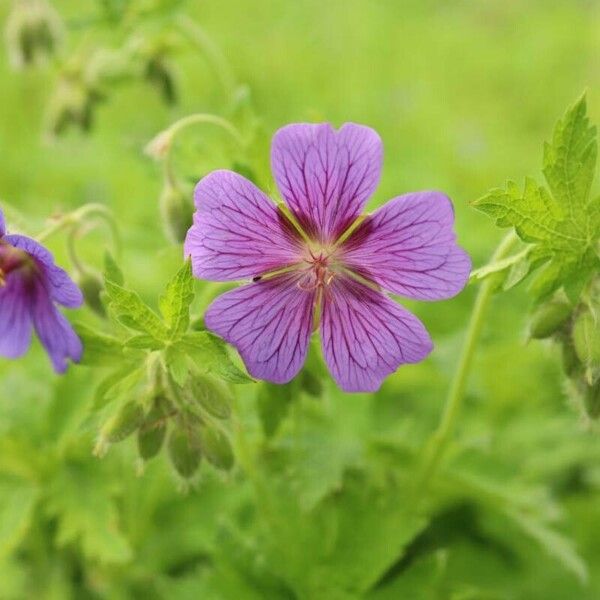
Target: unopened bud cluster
[
  {"x": 33, "y": 32},
  {"x": 191, "y": 424},
  {"x": 577, "y": 329}
]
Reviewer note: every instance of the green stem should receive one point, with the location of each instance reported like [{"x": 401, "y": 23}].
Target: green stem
[
  {"x": 438, "y": 442},
  {"x": 224, "y": 124},
  {"x": 76, "y": 217},
  {"x": 211, "y": 52}
]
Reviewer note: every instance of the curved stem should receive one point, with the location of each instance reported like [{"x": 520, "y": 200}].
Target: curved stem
[
  {"x": 224, "y": 124},
  {"x": 92, "y": 210},
  {"x": 438, "y": 442},
  {"x": 211, "y": 51}
]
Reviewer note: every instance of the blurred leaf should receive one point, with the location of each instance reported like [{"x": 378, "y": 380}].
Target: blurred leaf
[
  {"x": 17, "y": 500},
  {"x": 82, "y": 502},
  {"x": 112, "y": 271},
  {"x": 98, "y": 349}
]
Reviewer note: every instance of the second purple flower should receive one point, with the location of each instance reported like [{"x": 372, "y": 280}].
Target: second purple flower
[{"x": 320, "y": 275}]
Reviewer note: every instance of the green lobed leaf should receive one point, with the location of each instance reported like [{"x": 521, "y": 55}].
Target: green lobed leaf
[
  {"x": 176, "y": 301},
  {"x": 210, "y": 354},
  {"x": 560, "y": 222},
  {"x": 133, "y": 312}
]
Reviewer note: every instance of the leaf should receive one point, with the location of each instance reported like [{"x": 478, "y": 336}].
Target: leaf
[
  {"x": 143, "y": 342},
  {"x": 17, "y": 500},
  {"x": 555, "y": 544},
  {"x": 133, "y": 312},
  {"x": 210, "y": 353},
  {"x": 529, "y": 509},
  {"x": 98, "y": 349},
  {"x": 559, "y": 222},
  {"x": 176, "y": 301},
  {"x": 81, "y": 500},
  {"x": 177, "y": 363},
  {"x": 112, "y": 272},
  {"x": 117, "y": 384}
]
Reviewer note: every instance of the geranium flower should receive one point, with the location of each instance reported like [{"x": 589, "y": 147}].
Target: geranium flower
[
  {"x": 30, "y": 286},
  {"x": 324, "y": 274}
]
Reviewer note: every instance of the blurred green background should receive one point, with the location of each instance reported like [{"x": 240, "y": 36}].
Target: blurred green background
[{"x": 463, "y": 94}]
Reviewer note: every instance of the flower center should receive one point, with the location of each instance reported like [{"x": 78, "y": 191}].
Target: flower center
[
  {"x": 321, "y": 268},
  {"x": 13, "y": 259}
]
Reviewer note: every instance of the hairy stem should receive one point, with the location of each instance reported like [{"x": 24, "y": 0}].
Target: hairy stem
[{"x": 438, "y": 442}]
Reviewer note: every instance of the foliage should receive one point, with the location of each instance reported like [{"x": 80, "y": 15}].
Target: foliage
[{"x": 158, "y": 468}]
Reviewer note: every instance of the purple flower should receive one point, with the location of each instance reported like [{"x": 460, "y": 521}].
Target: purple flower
[
  {"x": 325, "y": 176},
  {"x": 30, "y": 285}
]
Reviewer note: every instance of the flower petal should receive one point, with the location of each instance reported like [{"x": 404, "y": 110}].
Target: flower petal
[
  {"x": 269, "y": 322},
  {"x": 408, "y": 247},
  {"x": 2, "y": 224},
  {"x": 366, "y": 336},
  {"x": 61, "y": 287},
  {"x": 326, "y": 176},
  {"x": 54, "y": 331},
  {"x": 238, "y": 231},
  {"x": 15, "y": 324}
]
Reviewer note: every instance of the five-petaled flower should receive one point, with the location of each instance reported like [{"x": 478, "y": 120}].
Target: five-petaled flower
[
  {"x": 320, "y": 270},
  {"x": 30, "y": 285}
]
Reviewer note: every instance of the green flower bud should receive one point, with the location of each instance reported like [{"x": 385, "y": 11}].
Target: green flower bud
[
  {"x": 570, "y": 361},
  {"x": 211, "y": 395},
  {"x": 548, "y": 318},
  {"x": 591, "y": 401},
  {"x": 184, "y": 451},
  {"x": 176, "y": 209},
  {"x": 586, "y": 339},
  {"x": 91, "y": 287},
  {"x": 152, "y": 432},
  {"x": 216, "y": 448},
  {"x": 33, "y": 32},
  {"x": 123, "y": 423}
]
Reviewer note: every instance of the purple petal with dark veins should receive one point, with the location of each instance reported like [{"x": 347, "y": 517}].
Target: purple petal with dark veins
[
  {"x": 408, "y": 247},
  {"x": 366, "y": 336},
  {"x": 54, "y": 331},
  {"x": 15, "y": 321},
  {"x": 61, "y": 287},
  {"x": 238, "y": 231},
  {"x": 269, "y": 322},
  {"x": 326, "y": 176}
]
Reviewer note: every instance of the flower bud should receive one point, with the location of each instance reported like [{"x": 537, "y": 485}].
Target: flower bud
[
  {"x": 152, "y": 432},
  {"x": 184, "y": 451},
  {"x": 122, "y": 424},
  {"x": 586, "y": 339},
  {"x": 33, "y": 32},
  {"x": 73, "y": 104},
  {"x": 210, "y": 395},
  {"x": 570, "y": 361},
  {"x": 91, "y": 287},
  {"x": 216, "y": 448},
  {"x": 548, "y": 318},
  {"x": 591, "y": 401},
  {"x": 159, "y": 74},
  {"x": 176, "y": 210}
]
